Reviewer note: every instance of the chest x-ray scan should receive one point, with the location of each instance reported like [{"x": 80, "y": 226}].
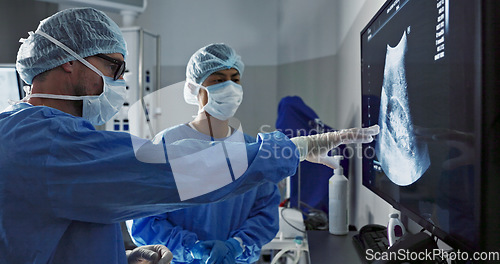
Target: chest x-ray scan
[{"x": 403, "y": 159}]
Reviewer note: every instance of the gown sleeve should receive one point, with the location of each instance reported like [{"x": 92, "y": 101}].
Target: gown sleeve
[
  {"x": 99, "y": 176},
  {"x": 262, "y": 224}
]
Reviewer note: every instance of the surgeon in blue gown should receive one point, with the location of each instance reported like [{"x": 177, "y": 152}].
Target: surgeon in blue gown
[
  {"x": 241, "y": 225},
  {"x": 65, "y": 186}
]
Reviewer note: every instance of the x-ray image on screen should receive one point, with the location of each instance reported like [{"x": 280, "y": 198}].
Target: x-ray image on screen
[{"x": 403, "y": 159}]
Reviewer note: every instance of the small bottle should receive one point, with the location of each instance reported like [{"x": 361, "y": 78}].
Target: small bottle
[
  {"x": 395, "y": 230},
  {"x": 337, "y": 201}
]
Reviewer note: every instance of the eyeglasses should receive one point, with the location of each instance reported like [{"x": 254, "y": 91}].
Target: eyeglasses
[{"x": 121, "y": 65}]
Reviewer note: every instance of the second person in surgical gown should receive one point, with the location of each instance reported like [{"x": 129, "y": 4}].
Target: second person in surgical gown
[{"x": 251, "y": 219}]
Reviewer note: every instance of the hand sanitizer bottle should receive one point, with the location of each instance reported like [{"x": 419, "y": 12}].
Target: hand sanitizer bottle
[{"x": 337, "y": 201}]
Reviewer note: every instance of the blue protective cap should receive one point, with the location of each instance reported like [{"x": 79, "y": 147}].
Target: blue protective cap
[
  {"x": 86, "y": 31},
  {"x": 210, "y": 59}
]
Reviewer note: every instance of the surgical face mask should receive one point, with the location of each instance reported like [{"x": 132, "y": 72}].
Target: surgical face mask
[
  {"x": 223, "y": 99},
  {"x": 97, "y": 109}
]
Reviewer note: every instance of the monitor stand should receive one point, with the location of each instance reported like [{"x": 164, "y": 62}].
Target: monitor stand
[{"x": 415, "y": 246}]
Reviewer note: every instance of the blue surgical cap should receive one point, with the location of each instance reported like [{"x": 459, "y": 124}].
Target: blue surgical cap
[
  {"x": 86, "y": 31},
  {"x": 210, "y": 59}
]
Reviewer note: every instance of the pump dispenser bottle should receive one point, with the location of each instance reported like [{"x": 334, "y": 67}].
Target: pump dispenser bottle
[
  {"x": 395, "y": 229},
  {"x": 337, "y": 202}
]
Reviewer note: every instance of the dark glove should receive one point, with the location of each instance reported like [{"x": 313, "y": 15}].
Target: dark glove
[
  {"x": 217, "y": 251},
  {"x": 151, "y": 254}
]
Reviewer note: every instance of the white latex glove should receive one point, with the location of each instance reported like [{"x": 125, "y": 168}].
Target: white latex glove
[
  {"x": 315, "y": 148},
  {"x": 150, "y": 254}
]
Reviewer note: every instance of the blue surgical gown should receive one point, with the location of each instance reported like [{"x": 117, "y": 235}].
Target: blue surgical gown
[
  {"x": 252, "y": 216},
  {"x": 65, "y": 187}
]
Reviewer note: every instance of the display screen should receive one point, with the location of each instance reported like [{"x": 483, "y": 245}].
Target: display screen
[
  {"x": 420, "y": 75},
  {"x": 9, "y": 85}
]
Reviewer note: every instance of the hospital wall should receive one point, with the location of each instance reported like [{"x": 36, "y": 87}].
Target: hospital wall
[
  {"x": 248, "y": 26},
  {"x": 16, "y": 19}
]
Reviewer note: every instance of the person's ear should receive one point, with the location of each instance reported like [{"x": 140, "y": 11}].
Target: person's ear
[
  {"x": 202, "y": 97},
  {"x": 68, "y": 66}
]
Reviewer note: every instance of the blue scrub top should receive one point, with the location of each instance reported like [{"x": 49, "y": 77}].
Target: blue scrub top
[
  {"x": 64, "y": 186},
  {"x": 252, "y": 216}
]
